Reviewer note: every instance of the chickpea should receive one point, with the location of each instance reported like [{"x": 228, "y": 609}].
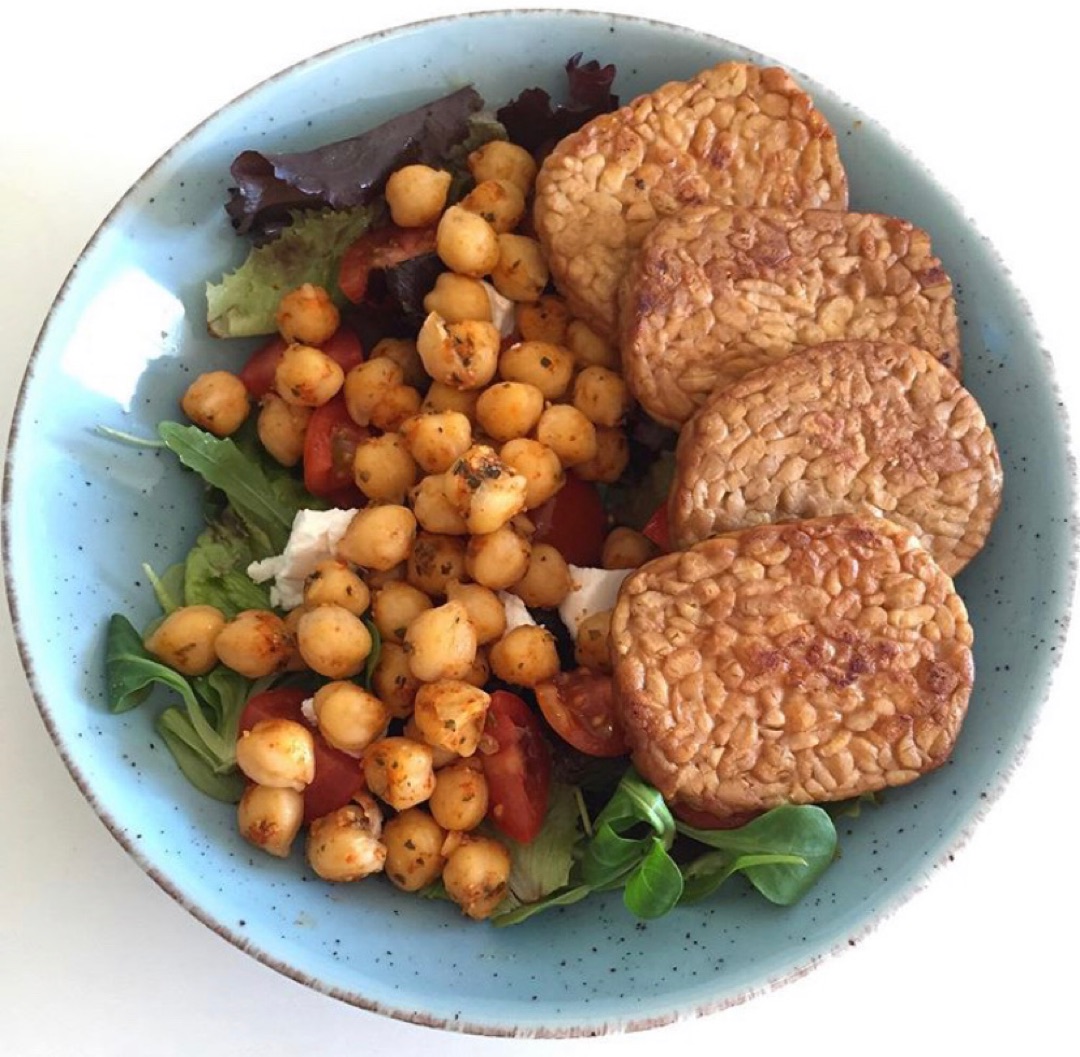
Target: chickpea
[
  {"x": 279, "y": 753},
  {"x": 333, "y": 583},
  {"x": 458, "y": 298},
  {"x": 383, "y": 468},
  {"x": 270, "y": 818},
  {"x": 507, "y": 410},
  {"x": 625, "y": 548},
  {"x": 442, "y": 397},
  {"x": 545, "y": 320},
  {"x": 521, "y": 272},
  {"x": 501, "y": 160},
  {"x": 393, "y": 680},
  {"x": 369, "y": 384},
  {"x": 525, "y": 655},
  {"x": 307, "y": 376},
  {"x": 295, "y": 662},
  {"x": 588, "y": 347},
  {"x": 349, "y": 717},
  {"x": 591, "y": 647},
  {"x": 402, "y": 351},
  {"x": 440, "y": 757},
  {"x": 378, "y": 537},
  {"x": 282, "y": 428},
  {"x": 464, "y": 355},
  {"x": 547, "y": 580},
  {"x": 498, "y": 559},
  {"x": 450, "y": 714},
  {"x": 435, "y": 561},
  {"x": 414, "y": 843},
  {"x": 611, "y": 458},
  {"x": 466, "y": 243},
  {"x": 484, "y": 490},
  {"x": 377, "y": 579},
  {"x": 344, "y": 846},
  {"x": 568, "y": 433},
  {"x": 477, "y": 875},
  {"x": 333, "y": 641},
  {"x": 399, "y": 771},
  {"x": 479, "y": 672},
  {"x": 416, "y": 195},
  {"x": 539, "y": 465},
  {"x": 484, "y": 607},
  {"x": 500, "y": 202},
  {"x": 548, "y": 367},
  {"x": 307, "y": 314},
  {"x": 432, "y": 508},
  {"x": 601, "y": 395},
  {"x": 185, "y": 639},
  {"x": 397, "y": 406},
  {"x": 254, "y": 643},
  {"x": 395, "y": 607},
  {"x": 436, "y": 438},
  {"x": 460, "y": 799},
  {"x": 441, "y": 643},
  {"x": 217, "y": 402}
]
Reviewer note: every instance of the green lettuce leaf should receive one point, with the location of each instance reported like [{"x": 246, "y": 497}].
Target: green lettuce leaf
[
  {"x": 215, "y": 572},
  {"x": 309, "y": 250}
]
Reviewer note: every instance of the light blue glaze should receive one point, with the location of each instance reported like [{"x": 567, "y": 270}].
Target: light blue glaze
[{"x": 125, "y": 337}]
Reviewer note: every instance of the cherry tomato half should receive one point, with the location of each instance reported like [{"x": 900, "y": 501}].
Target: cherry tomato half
[
  {"x": 517, "y": 765},
  {"x": 580, "y": 706},
  {"x": 375, "y": 250},
  {"x": 658, "y": 528},
  {"x": 258, "y": 373},
  {"x": 573, "y": 521},
  {"x": 338, "y": 776},
  {"x": 329, "y": 446}
]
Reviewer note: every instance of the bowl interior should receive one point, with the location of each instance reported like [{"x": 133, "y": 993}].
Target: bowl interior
[{"x": 82, "y": 514}]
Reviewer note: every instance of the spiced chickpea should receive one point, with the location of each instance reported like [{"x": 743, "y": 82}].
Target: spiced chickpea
[
  {"x": 279, "y": 753},
  {"x": 443, "y": 397},
  {"x": 402, "y": 351},
  {"x": 185, "y": 639},
  {"x": 538, "y": 464},
  {"x": 270, "y": 818},
  {"x": 254, "y": 643},
  {"x": 484, "y": 607},
  {"x": 611, "y": 458},
  {"x": 436, "y": 438},
  {"x": 333, "y": 582},
  {"x": 502, "y": 160},
  {"x": 398, "y": 404},
  {"x": 378, "y": 537},
  {"x": 500, "y": 202},
  {"x": 282, "y": 428},
  {"x": 477, "y": 874},
  {"x": 525, "y": 655},
  {"x": 399, "y": 771},
  {"x": 441, "y": 643},
  {"x": 522, "y": 271},
  {"x": 591, "y": 648},
  {"x": 626, "y": 548},
  {"x": 393, "y": 681},
  {"x": 601, "y": 395},
  {"x": 435, "y": 561},
  {"x": 450, "y": 714},
  {"x": 497, "y": 559},
  {"x": 218, "y": 402},
  {"x": 549, "y": 367},
  {"x": 416, "y": 195},
  {"x": 307, "y": 376},
  {"x": 457, "y": 298},
  {"x": 588, "y": 347},
  {"x": 344, "y": 845},
  {"x": 395, "y": 607},
  {"x": 547, "y": 579},
  {"x": 507, "y": 410},
  {"x": 545, "y": 319},
  {"x": 464, "y": 355},
  {"x": 414, "y": 842},
  {"x": 568, "y": 433},
  {"x": 460, "y": 799},
  {"x": 383, "y": 467},
  {"x": 333, "y": 641},
  {"x": 466, "y": 243},
  {"x": 439, "y": 757},
  {"x": 368, "y": 384},
  {"x": 307, "y": 314},
  {"x": 433, "y": 510},
  {"x": 350, "y": 718}
]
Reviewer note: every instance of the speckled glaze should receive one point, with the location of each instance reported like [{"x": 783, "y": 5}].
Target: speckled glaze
[{"x": 91, "y": 511}]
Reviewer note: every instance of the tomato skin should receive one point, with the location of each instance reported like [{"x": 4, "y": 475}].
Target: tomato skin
[
  {"x": 329, "y": 446},
  {"x": 573, "y": 521},
  {"x": 258, "y": 373},
  {"x": 703, "y": 820},
  {"x": 658, "y": 528},
  {"x": 375, "y": 250},
  {"x": 338, "y": 776},
  {"x": 517, "y": 766},
  {"x": 580, "y": 707}
]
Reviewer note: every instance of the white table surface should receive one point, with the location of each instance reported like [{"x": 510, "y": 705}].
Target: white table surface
[{"x": 96, "y": 959}]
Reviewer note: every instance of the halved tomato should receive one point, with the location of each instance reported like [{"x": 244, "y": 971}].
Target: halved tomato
[
  {"x": 573, "y": 521},
  {"x": 375, "y": 250},
  {"x": 258, "y": 373},
  {"x": 338, "y": 776},
  {"x": 658, "y": 528},
  {"x": 517, "y": 765},
  {"x": 329, "y": 446},
  {"x": 580, "y": 706}
]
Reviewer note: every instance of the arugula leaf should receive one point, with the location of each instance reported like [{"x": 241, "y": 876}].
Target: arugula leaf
[
  {"x": 309, "y": 250},
  {"x": 803, "y": 836},
  {"x": 266, "y": 511}
]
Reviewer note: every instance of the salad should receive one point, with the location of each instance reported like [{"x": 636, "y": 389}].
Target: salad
[{"x": 388, "y": 645}]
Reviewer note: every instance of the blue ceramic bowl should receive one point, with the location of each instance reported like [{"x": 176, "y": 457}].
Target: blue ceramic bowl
[{"x": 82, "y": 513}]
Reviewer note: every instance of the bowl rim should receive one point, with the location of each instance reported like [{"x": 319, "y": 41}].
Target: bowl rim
[{"x": 881, "y": 913}]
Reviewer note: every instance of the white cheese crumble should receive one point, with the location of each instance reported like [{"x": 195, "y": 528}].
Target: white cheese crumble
[
  {"x": 313, "y": 538},
  {"x": 517, "y": 613},
  {"x": 592, "y": 591},
  {"x": 307, "y": 710},
  {"x": 502, "y": 310}
]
